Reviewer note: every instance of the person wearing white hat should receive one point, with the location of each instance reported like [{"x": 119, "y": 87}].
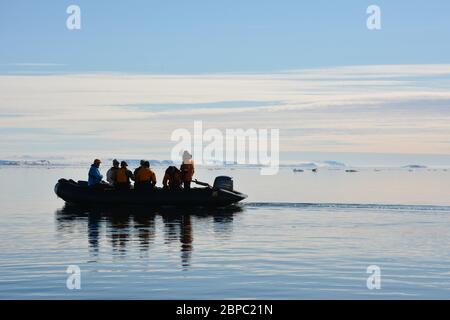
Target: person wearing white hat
[
  {"x": 111, "y": 174},
  {"x": 187, "y": 170}
]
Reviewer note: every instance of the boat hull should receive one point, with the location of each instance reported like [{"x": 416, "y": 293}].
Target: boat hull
[{"x": 72, "y": 192}]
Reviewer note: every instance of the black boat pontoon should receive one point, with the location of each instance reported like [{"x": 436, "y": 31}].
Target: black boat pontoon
[{"x": 219, "y": 195}]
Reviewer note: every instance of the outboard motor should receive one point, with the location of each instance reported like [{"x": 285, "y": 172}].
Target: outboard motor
[{"x": 223, "y": 182}]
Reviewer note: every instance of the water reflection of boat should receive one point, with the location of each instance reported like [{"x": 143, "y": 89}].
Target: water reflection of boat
[{"x": 128, "y": 226}]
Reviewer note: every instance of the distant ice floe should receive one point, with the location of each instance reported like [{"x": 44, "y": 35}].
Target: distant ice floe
[
  {"x": 316, "y": 166},
  {"x": 319, "y": 164},
  {"x": 415, "y": 166},
  {"x": 29, "y": 161},
  {"x": 153, "y": 163},
  {"x": 25, "y": 163},
  {"x": 62, "y": 162}
]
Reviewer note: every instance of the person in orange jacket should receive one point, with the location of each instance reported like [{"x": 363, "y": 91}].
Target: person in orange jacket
[
  {"x": 144, "y": 177},
  {"x": 172, "y": 178},
  {"x": 187, "y": 170},
  {"x": 123, "y": 176},
  {"x": 141, "y": 165}
]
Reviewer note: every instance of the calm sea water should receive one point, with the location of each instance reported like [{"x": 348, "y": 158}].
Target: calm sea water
[{"x": 297, "y": 236}]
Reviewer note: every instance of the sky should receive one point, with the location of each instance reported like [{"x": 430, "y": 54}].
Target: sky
[
  {"x": 137, "y": 70},
  {"x": 204, "y": 36}
]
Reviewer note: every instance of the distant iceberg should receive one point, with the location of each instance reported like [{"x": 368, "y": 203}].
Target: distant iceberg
[
  {"x": 25, "y": 163},
  {"x": 70, "y": 162},
  {"x": 415, "y": 166},
  {"x": 9, "y": 163},
  {"x": 334, "y": 164},
  {"x": 153, "y": 163},
  {"x": 320, "y": 164}
]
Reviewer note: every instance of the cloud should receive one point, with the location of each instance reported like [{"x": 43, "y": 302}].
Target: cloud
[
  {"x": 33, "y": 64},
  {"x": 394, "y": 108},
  {"x": 374, "y": 71}
]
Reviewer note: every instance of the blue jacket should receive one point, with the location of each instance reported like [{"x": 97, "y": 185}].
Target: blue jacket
[{"x": 94, "y": 176}]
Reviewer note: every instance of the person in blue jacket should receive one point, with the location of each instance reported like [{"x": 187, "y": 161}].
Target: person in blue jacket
[{"x": 95, "y": 176}]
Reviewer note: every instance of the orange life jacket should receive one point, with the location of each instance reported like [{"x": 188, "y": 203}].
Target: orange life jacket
[
  {"x": 172, "y": 178},
  {"x": 187, "y": 171},
  {"x": 122, "y": 176},
  {"x": 145, "y": 175}
]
